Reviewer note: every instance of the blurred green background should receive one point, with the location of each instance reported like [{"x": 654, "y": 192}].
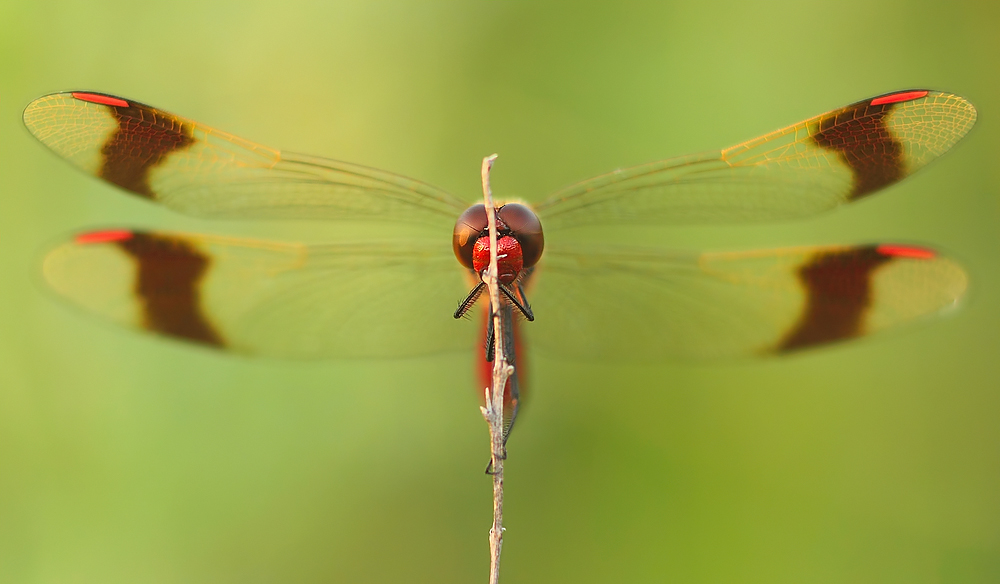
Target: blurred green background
[{"x": 126, "y": 458}]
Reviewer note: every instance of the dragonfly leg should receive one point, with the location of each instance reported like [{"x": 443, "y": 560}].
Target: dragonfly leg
[
  {"x": 512, "y": 392},
  {"x": 510, "y": 425},
  {"x": 524, "y": 299},
  {"x": 465, "y": 305},
  {"x": 491, "y": 340},
  {"x": 518, "y": 299},
  {"x": 509, "y": 421}
]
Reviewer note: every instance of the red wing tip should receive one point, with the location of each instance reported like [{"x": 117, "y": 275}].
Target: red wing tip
[
  {"x": 101, "y": 99},
  {"x": 898, "y": 97},
  {"x": 906, "y": 251},
  {"x": 104, "y": 236}
]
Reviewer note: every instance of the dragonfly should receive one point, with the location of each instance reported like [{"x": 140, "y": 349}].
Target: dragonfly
[{"x": 396, "y": 296}]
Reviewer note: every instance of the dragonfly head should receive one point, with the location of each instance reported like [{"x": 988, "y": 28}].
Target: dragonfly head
[{"x": 519, "y": 243}]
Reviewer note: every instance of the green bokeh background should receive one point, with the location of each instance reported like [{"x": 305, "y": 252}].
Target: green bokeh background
[{"x": 126, "y": 458}]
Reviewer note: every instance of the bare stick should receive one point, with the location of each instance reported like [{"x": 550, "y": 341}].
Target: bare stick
[{"x": 493, "y": 411}]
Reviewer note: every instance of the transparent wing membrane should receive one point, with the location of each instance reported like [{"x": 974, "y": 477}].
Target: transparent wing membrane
[
  {"x": 803, "y": 169},
  {"x": 265, "y": 298},
  {"x": 204, "y": 172},
  {"x": 381, "y": 299},
  {"x": 654, "y": 305}
]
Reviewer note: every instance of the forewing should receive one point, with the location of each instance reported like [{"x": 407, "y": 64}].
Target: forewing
[
  {"x": 652, "y": 306},
  {"x": 200, "y": 171},
  {"x": 806, "y": 168},
  {"x": 264, "y": 298}
]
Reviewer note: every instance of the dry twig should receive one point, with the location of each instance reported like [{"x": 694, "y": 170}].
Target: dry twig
[{"x": 493, "y": 411}]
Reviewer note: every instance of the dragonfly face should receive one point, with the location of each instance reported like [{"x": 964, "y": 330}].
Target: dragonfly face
[
  {"x": 519, "y": 240},
  {"x": 597, "y": 301}
]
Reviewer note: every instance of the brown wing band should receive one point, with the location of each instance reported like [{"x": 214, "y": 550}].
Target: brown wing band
[
  {"x": 168, "y": 284},
  {"x": 859, "y": 134},
  {"x": 838, "y": 292},
  {"x": 143, "y": 140}
]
